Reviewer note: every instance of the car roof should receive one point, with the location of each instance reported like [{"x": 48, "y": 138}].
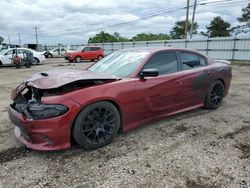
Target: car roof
[
  {"x": 23, "y": 49},
  {"x": 158, "y": 49}
]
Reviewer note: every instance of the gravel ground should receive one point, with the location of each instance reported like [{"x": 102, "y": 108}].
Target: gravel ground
[{"x": 196, "y": 149}]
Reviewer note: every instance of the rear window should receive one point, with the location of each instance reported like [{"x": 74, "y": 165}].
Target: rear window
[
  {"x": 95, "y": 48},
  {"x": 190, "y": 60}
]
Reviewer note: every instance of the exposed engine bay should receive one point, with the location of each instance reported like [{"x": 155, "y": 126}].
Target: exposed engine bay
[{"x": 27, "y": 99}]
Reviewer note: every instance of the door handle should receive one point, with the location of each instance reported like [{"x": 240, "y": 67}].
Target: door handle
[{"x": 180, "y": 82}]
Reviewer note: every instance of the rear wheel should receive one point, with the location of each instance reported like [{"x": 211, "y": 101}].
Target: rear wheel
[
  {"x": 99, "y": 58},
  {"x": 50, "y": 56},
  {"x": 96, "y": 125},
  {"x": 78, "y": 59},
  {"x": 215, "y": 95},
  {"x": 36, "y": 61}
]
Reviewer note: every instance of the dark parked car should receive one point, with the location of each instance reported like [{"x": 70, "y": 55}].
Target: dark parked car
[{"x": 124, "y": 90}]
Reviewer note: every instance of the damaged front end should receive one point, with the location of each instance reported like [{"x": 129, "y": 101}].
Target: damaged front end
[
  {"x": 27, "y": 101},
  {"x": 43, "y": 117}
]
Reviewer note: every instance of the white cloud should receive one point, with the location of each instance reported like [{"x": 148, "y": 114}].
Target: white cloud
[{"x": 77, "y": 20}]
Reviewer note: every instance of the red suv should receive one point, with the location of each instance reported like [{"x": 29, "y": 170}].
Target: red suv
[{"x": 85, "y": 53}]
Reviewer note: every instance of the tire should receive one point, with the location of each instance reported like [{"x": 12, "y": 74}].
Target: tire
[
  {"x": 99, "y": 58},
  {"x": 50, "y": 56},
  {"x": 78, "y": 59},
  {"x": 36, "y": 61},
  {"x": 215, "y": 95},
  {"x": 27, "y": 65},
  {"x": 96, "y": 125}
]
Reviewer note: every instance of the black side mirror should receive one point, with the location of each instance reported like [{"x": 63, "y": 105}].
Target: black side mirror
[
  {"x": 83, "y": 51},
  {"x": 149, "y": 73}
]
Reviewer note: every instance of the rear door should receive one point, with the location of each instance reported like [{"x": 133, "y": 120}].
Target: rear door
[
  {"x": 161, "y": 94},
  {"x": 194, "y": 80},
  {"x": 95, "y": 52}
]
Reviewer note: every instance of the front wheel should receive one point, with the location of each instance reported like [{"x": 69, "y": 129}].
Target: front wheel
[
  {"x": 78, "y": 59},
  {"x": 96, "y": 125},
  {"x": 215, "y": 95}
]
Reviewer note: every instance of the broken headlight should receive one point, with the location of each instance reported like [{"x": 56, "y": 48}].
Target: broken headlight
[{"x": 43, "y": 111}]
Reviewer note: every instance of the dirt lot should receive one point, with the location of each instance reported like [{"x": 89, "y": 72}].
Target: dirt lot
[{"x": 200, "y": 148}]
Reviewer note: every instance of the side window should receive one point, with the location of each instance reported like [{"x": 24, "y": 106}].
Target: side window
[
  {"x": 19, "y": 51},
  {"x": 87, "y": 49},
  {"x": 165, "y": 63},
  {"x": 203, "y": 61},
  {"x": 10, "y": 52},
  {"x": 62, "y": 50},
  {"x": 95, "y": 49},
  {"x": 190, "y": 61}
]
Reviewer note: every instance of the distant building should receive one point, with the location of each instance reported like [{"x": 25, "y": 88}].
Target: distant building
[{"x": 38, "y": 47}]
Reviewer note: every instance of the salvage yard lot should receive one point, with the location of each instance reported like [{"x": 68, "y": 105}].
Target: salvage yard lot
[{"x": 200, "y": 148}]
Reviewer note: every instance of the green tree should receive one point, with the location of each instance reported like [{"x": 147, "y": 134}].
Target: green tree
[
  {"x": 106, "y": 37},
  {"x": 178, "y": 31},
  {"x": 1, "y": 39},
  {"x": 119, "y": 38},
  {"x": 245, "y": 14},
  {"x": 218, "y": 28},
  {"x": 150, "y": 37}
]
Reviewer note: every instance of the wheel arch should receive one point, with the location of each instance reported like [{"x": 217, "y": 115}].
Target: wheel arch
[
  {"x": 101, "y": 100},
  {"x": 220, "y": 79},
  {"x": 37, "y": 59},
  {"x": 78, "y": 56}
]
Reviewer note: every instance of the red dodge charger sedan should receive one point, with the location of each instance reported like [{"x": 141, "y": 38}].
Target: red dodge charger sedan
[{"x": 122, "y": 91}]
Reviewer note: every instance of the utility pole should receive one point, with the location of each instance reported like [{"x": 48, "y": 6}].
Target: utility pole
[
  {"x": 19, "y": 39},
  {"x": 192, "y": 24},
  {"x": 36, "y": 28},
  {"x": 9, "y": 38},
  {"x": 186, "y": 23}
]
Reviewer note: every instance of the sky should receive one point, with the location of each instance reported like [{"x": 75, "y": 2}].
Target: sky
[{"x": 74, "y": 21}]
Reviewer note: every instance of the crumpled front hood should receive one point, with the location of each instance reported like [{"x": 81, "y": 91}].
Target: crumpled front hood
[{"x": 59, "y": 77}]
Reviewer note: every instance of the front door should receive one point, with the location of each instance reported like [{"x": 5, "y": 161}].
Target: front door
[
  {"x": 8, "y": 57},
  {"x": 87, "y": 54},
  {"x": 161, "y": 94}
]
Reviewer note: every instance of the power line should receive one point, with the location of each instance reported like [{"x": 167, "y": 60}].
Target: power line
[{"x": 148, "y": 16}]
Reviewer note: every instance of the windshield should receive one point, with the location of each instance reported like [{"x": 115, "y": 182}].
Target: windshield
[
  {"x": 79, "y": 49},
  {"x": 3, "y": 52},
  {"x": 120, "y": 63}
]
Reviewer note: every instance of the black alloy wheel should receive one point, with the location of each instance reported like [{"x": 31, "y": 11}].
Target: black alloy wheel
[
  {"x": 215, "y": 95},
  {"x": 96, "y": 125}
]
